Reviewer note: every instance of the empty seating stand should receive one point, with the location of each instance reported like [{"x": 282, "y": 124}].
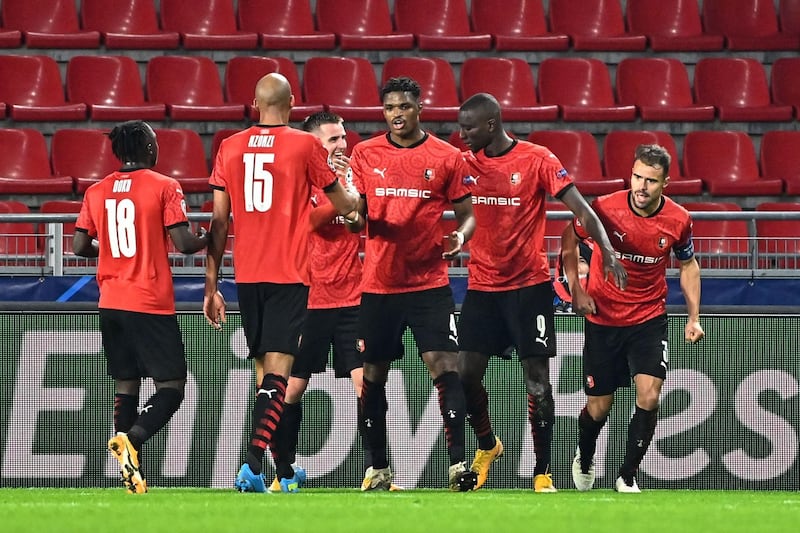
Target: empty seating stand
[
  {"x": 127, "y": 24},
  {"x": 361, "y": 25},
  {"x": 283, "y": 25},
  {"x": 597, "y": 25},
  {"x": 206, "y": 24},
  {"x": 48, "y": 24},
  {"x": 671, "y": 25},
  {"x": 448, "y": 29},
  {"x": 516, "y": 25}
]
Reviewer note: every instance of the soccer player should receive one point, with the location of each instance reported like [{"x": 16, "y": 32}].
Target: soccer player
[
  {"x": 509, "y": 300},
  {"x": 264, "y": 176},
  {"x": 124, "y": 222},
  {"x": 334, "y": 295},
  {"x": 626, "y": 332},
  {"x": 407, "y": 178}
]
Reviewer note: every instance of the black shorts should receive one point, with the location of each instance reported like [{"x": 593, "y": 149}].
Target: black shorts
[
  {"x": 272, "y": 316},
  {"x": 142, "y": 345},
  {"x": 494, "y": 322},
  {"x": 612, "y": 355},
  {"x": 323, "y": 328},
  {"x": 383, "y": 318}
]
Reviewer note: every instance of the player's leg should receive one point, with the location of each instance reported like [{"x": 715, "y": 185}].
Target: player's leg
[
  {"x": 541, "y": 419},
  {"x": 648, "y": 360},
  {"x": 380, "y": 327},
  {"x": 283, "y": 445}
]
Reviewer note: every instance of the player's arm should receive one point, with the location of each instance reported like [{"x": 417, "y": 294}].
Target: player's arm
[
  {"x": 575, "y": 201},
  {"x": 690, "y": 287},
  {"x": 582, "y": 302},
  {"x": 466, "y": 225},
  {"x": 213, "y": 301},
  {"x": 84, "y": 245},
  {"x": 187, "y": 242}
]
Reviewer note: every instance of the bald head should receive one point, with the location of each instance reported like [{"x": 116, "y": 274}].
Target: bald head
[{"x": 273, "y": 90}]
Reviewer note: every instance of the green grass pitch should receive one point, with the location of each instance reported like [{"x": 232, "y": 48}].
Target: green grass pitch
[{"x": 176, "y": 510}]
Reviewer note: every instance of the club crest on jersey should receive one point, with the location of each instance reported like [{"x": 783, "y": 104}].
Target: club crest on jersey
[
  {"x": 662, "y": 242},
  {"x": 515, "y": 178},
  {"x": 561, "y": 174},
  {"x": 429, "y": 174}
]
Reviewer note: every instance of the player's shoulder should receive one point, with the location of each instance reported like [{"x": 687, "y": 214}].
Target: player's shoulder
[
  {"x": 535, "y": 150},
  {"x": 614, "y": 199},
  {"x": 675, "y": 209}
]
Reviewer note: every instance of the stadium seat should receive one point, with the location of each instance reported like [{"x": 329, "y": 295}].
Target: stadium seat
[
  {"x": 111, "y": 88},
  {"x": 778, "y": 241},
  {"x": 789, "y": 17},
  {"x": 671, "y": 25},
  {"x": 448, "y": 29},
  {"x": 747, "y": 25},
  {"x": 780, "y": 158},
  {"x": 283, "y": 25},
  {"x": 597, "y": 25},
  {"x": 16, "y": 238},
  {"x": 577, "y": 151},
  {"x": 25, "y": 169},
  {"x": 516, "y": 25},
  {"x": 10, "y": 38},
  {"x": 32, "y": 90},
  {"x": 619, "y": 149},
  {"x": 510, "y": 80},
  {"x": 353, "y": 138},
  {"x": 345, "y": 85},
  {"x": 127, "y": 24},
  {"x": 181, "y": 155},
  {"x": 738, "y": 88},
  {"x": 581, "y": 87},
  {"x": 726, "y": 162},
  {"x": 190, "y": 87},
  {"x": 785, "y": 82},
  {"x": 435, "y": 76},
  {"x": 719, "y": 243},
  {"x": 84, "y": 154},
  {"x": 669, "y": 100},
  {"x": 243, "y": 72},
  {"x": 47, "y": 23},
  {"x": 206, "y": 25},
  {"x": 361, "y": 25}
]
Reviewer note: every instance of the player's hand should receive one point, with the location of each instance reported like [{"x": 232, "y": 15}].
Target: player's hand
[
  {"x": 693, "y": 331},
  {"x": 340, "y": 164},
  {"x": 582, "y": 303},
  {"x": 613, "y": 267},
  {"x": 452, "y": 245},
  {"x": 214, "y": 309}
]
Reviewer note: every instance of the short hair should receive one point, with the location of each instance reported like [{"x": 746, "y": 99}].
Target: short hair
[
  {"x": 654, "y": 155},
  {"x": 402, "y": 84},
  {"x": 315, "y": 120},
  {"x": 129, "y": 141}
]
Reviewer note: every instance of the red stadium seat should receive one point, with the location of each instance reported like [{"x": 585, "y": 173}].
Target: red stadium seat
[
  {"x": 595, "y": 25},
  {"x": 510, "y": 80},
  {"x": 361, "y": 25},
  {"x": 127, "y": 24},
  {"x": 785, "y": 82},
  {"x": 206, "y": 25},
  {"x": 243, "y": 72},
  {"x": 345, "y": 85},
  {"x": 111, "y": 87},
  {"x": 84, "y": 154},
  {"x": 48, "y": 23},
  {"x": 720, "y": 243},
  {"x": 435, "y": 76},
  {"x": 25, "y": 169},
  {"x": 353, "y": 138},
  {"x": 516, "y": 25},
  {"x": 32, "y": 90},
  {"x": 778, "y": 241},
  {"x": 581, "y": 87},
  {"x": 190, "y": 87},
  {"x": 448, "y": 29},
  {"x": 671, "y": 25},
  {"x": 619, "y": 149},
  {"x": 726, "y": 162},
  {"x": 738, "y": 88},
  {"x": 284, "y": 25},
  {"x": 16, "y": 238},
  {"x": 780, "y": 158},
  {"x": 181, "y": 155},
  {"x": 789, "y": 17},
  {"x": 577, "y": 151},
  {"x": 10, "y": 38},
  {"x": 747, "y": 25},
  {"x": 669, "y": 100}
]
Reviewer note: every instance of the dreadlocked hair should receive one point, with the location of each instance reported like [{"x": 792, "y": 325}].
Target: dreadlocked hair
[{"x": 129, "y": 141}]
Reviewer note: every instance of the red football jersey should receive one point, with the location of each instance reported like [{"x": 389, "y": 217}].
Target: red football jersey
[
  {"x": 268, "y": 172},
  {"x": 508, "y": 197},
  {"x": 407, "y": 190},
  {"x": 129, "y": 214},
  {"x": 643, "y": 246},
  {"x": 333, "y": 263}
]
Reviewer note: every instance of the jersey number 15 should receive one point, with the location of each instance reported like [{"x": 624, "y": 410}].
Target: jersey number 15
[{"x": 257, "y": 182}]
